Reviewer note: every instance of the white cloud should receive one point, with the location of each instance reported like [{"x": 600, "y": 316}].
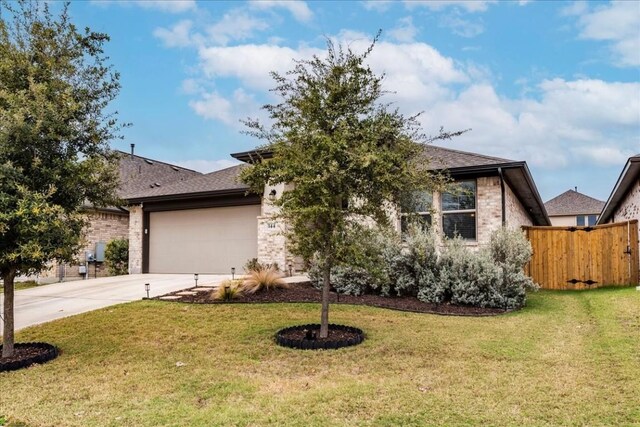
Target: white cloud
[
  {"x": 298, "y": 9},
  {"x": 230, "y": 111},
  {"x": 235, "y": 25},
  {"x": 405, "y": 31},
  {"x": 206, "y": 166},
  {"x": 462, "y": 27},
  {"x": 467, "y": 5},
  {"x": 176, "y": 36},
  {"x": 617, "y": 23},
  {"x": 169, "y": 6},
  {"x": 191, "y": 87},
  {"x": 377, "y": 5}
]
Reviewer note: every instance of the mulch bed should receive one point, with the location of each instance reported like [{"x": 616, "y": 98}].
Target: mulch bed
[
  {"x": 27, "y": 354},
  {"x": 307, "y": 337},
  {"x": 304, "y": 292}
]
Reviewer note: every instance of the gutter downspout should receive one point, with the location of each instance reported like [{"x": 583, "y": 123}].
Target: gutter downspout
[{"x": 502, "y": 194}]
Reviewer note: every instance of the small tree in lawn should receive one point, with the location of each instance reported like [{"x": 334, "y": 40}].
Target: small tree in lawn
[
  {"x": 54, "y": 134},
  {"x": 348, "y": 155}
]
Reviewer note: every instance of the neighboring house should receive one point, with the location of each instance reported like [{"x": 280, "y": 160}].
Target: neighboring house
[
  {"x": 624, "y": 202},
  {"x": 211, "y": 224},
  {"x": 105, "y": 224},
  {"x": 572, "y": 208}
]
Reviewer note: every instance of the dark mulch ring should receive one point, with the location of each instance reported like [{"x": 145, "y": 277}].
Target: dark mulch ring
[
  {"x": 26, "y": 354},
  {"x": 305, "y": 292},
  {"x": 306, "y": 337}
]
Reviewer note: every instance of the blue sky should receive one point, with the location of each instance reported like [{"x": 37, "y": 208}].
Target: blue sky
[{"x": 556, "y": 84}]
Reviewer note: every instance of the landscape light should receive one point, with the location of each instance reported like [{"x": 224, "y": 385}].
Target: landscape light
[
  {"x": 233, "y": 273},
  {"x": 290, "y": 269},
  {"x": 147, "y": 287},
  {"x": 195, "y": 277}
]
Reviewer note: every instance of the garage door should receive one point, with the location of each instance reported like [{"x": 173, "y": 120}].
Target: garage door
[{"x": 203, "y": 240}]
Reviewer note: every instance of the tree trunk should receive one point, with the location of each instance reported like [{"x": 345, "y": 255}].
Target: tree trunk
[
  {"x": 324, "y": 315},
  {"x": 7, "y": 343}
]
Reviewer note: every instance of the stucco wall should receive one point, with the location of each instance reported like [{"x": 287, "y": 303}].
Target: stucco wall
[
  {"x": 135, "y": 239},
  {"x": 563, "y": 221}
]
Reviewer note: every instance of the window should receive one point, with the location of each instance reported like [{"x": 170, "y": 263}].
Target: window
[
  {"x": 584, "y": 220},
  {"x": 459, "y": 211},
  {"x": 421, "y": 205}
]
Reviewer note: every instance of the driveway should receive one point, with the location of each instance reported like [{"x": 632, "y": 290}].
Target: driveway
[{"x": 50, "y": 302}]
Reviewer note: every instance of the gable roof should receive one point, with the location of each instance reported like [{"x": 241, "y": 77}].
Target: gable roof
[
  {"x": 214, "y": 183},
  {"x": 628, "y": 177},
  {"x": 573, "y": 203},
  {"x": 139, "y": 174},
  {"x": 462, "y": 164}
]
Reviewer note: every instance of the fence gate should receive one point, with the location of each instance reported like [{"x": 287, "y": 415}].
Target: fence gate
[{"x": 584, "y": 257}]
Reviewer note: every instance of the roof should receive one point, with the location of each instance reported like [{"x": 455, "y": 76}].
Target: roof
[
  {"x": 573, "y": 203},
  {"x": 462, "y": 164},
  {"x": 446, "y": 158},
  {"x": 221, "y": 181},
  {"x": 139, "y": 174},
  {"x": 628, "y": 177}
]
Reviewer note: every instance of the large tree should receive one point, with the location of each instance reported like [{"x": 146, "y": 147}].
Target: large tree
[
  {"x": 349, "y": 156},
  {"x": 55, "y": 160}
]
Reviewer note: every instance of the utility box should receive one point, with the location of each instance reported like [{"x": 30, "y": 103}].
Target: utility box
[
  {"x": 82, "y": 269},
  {"x": 100, "y": 246},
  {"x": 90, "y": 257}
]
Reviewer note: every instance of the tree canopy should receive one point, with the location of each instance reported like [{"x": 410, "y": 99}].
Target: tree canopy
[
  {"x": 55, "y": 86},
  {"x": 349, "y": 157}
]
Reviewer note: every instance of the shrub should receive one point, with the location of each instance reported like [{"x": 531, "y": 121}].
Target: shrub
[
  {"x": 410, "y": 264},
  {"x": 509, "y": 246},
  {"x": 254, "y": 265},
  {"x": 116, "y": 255},
  {"x": 228, "y": 290},
  {"x": 264, "y": 279}
]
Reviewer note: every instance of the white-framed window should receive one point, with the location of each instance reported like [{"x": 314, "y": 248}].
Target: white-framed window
[
  {"x": 586, "y": 220},
  {"x": 459, "y": 211},
  {"x": 421, "y": 209}
]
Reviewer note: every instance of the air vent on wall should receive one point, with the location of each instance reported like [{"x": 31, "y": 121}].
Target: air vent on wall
[{"x": 148, "y": 161}]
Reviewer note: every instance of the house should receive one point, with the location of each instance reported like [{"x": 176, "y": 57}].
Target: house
[
  {"x": 624, "y": 202},
  {"x": 572, "y": 208},
  {"x": 105, "y": 224},
  {"x": 211, "y": 224}
]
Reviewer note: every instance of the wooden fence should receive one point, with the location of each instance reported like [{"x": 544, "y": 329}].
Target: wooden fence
[{"x": 584, "y": 257}]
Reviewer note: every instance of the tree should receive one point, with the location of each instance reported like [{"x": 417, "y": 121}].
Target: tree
[
  {"x": 349, "y": 157},
  {"x": 117, "y": 256},
  {"x": 54, "y": 140}
]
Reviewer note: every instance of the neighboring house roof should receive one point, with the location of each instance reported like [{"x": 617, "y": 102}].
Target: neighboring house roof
[
  {"x": 573, "y": 203},
  {"x": 628, "y": 177},
  {"x": 225, "y": 181},
  {"x": 461, "y": 164},
  {"x": 139, "y": 174}
]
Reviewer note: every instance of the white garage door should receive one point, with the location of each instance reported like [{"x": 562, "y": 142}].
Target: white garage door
[{"x": 208, "y": 240}]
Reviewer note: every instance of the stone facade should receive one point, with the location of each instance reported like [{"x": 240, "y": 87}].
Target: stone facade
[
  {"x": 135, "y": 233},
  {"x": 104, "y": 226},
  {"x": 629, "y": 208}
]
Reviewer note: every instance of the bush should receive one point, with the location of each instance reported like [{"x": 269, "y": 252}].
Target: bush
[
  {"x": 264, "y": 279},
  {"x": 254, "y": 265},
  {"x": 228, "y": 290},
  {"x": 116, "y": 256}
]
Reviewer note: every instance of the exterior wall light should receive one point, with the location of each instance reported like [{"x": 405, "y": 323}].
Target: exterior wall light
[
  {"x": 195, "y": 277},
  {"x": 147, "y": 287},
  {"x": 272, "y": 194}
]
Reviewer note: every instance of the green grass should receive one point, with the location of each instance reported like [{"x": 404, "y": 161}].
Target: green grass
[{"x": 569, "y": 358}]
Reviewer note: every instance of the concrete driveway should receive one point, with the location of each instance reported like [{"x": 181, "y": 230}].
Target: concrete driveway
[{"x": 50, "y": 302}]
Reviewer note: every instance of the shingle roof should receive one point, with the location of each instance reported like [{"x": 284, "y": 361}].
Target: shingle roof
[
  {"x": 573, "y": 203},
  {"x": 138, "y": 174},
  {"x": 446, "y": 158},
  {"x": 222, "y": 180}
]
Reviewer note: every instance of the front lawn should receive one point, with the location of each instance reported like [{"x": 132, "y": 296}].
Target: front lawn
[{"x": 568, "y": 358}]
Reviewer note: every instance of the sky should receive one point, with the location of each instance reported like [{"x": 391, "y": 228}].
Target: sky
[{"x": 556, "y": 84}]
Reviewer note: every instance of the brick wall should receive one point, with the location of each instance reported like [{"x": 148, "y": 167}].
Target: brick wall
[
  {"x": 630, "y": 207},
  {"x": 516, "y": 214},
  {"x": 103, "y": 227}
]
